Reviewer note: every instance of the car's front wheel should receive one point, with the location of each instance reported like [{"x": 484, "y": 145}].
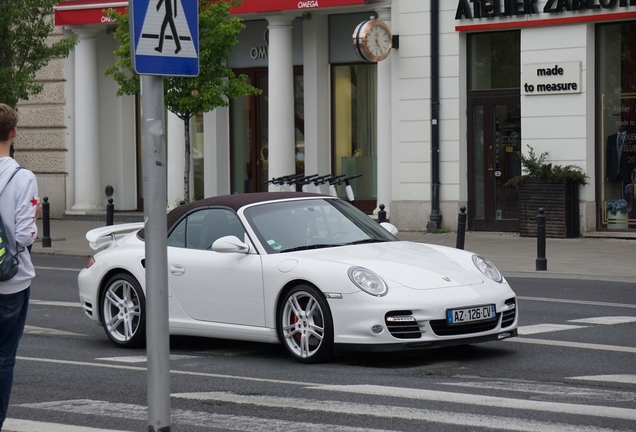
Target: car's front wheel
[
  {"x": 123, "y": 306},
  {"x": 305, "y": 326}
]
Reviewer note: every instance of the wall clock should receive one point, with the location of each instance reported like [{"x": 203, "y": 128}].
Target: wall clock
[{"x": 372, "y": 40}]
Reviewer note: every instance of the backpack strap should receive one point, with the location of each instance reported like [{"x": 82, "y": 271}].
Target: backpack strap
[
  {"x": 11, "y": 178},
  {"x": 17, "y": 246}
]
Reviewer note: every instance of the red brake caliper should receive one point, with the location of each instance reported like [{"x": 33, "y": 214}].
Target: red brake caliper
[{"x": 295, "y": 319}]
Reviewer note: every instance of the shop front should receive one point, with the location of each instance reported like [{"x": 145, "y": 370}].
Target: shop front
[
  {"x": 316, "y": 113},
  {"x": 342, "y": 85},
  {"x": 559, "y": 77}
]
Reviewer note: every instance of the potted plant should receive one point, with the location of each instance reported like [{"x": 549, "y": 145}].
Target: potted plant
[
  {"x": 617, "y": 210},
  {"x": 555, "y": 188}
]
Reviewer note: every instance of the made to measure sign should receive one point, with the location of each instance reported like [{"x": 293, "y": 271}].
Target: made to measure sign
[
  {"x": 165, "y": 37},
  {"x": 551, "y": 78}
]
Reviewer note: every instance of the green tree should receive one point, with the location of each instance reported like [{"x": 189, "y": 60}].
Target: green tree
[
  {"x": 25, "y": 26},
  {"x": 215, "y": 85}
]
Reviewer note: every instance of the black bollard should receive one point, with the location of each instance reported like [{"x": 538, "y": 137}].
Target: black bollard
[
  {"x": 110, "y": 212},
  {"x": 382, "y": 214},
  {"x": 461, "y": 228},
  {"x": 46, "y": 223},
  {"x": 542, "y": 262}
]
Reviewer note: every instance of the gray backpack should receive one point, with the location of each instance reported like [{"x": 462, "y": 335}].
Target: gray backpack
[{"x": 8, "y": 261}]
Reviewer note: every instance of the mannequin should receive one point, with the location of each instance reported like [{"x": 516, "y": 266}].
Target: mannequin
[{"x": 619, "y": 166}]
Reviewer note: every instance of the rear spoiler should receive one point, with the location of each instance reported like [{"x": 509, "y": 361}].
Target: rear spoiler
[{"x": 102, "y": 237}]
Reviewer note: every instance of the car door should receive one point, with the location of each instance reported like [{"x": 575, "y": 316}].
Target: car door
[{"x": 214, "y": 286}]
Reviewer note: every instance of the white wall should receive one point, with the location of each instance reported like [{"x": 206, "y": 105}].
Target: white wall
[{"x": 411, "y": 204}]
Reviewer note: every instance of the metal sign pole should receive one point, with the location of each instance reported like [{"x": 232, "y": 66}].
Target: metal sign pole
[
  {"x": 155, "y": 55},
  {"x": 154, "y": 183}
]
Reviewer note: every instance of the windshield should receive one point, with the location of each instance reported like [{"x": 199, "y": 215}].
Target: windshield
[{"x": 310, "y": 224}]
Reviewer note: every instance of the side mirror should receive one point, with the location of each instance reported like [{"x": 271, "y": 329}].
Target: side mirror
[
  {"x": 229, "y": 244},
  {"x": 389, "y": 227}
]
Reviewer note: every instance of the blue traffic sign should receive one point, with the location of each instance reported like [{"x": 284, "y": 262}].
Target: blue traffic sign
[{"x": 165, "y": 37}]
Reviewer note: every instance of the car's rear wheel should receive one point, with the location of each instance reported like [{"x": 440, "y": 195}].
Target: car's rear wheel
[
  {"x": 305, "y": 326},
  {"x": 123, "y": 307}
]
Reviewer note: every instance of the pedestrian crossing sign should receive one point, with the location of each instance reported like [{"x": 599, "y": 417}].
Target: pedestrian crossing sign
[{"x": 164, "y": 37}]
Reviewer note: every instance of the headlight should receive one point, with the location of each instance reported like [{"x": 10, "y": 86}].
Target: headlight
[
  {"x": 487, "y": 268},
  {"x": 368, "y": 281}
]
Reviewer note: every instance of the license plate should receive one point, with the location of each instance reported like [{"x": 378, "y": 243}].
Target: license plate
[{"x": 478, "y": 313}]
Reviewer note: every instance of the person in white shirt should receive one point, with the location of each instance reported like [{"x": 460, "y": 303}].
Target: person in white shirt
[{"x": 19, "y": 207}]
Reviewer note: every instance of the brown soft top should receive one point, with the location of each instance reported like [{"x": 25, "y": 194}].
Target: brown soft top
[{"x": 234, "y": 202}]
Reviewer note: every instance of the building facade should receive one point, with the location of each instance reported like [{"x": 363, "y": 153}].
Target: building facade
[{"x": 433, "y": 127}]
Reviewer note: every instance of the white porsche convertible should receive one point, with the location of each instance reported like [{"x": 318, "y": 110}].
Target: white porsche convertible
[{"x": 308, "y": 271}]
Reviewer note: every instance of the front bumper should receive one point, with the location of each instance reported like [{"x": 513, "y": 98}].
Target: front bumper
[
  {"x": 342, "y": 348},
  {"x": 410, "y": 319}
]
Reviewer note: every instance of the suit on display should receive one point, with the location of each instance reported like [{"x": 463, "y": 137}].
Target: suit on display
[{"x": 620, "y": 157}]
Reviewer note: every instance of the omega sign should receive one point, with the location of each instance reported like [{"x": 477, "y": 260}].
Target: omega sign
[
  {"x": 261, "y": 52},
  {"x": 308, "y": 4},
  {"x": 551, "y": 78}
]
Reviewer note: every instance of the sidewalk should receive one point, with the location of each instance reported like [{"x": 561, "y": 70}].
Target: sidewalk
[{"x": 590, "y": 258}]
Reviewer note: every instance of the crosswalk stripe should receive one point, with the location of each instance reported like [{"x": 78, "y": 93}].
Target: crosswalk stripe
[
  {"x": 545, "y": 328},
  {"x": 624, "y": 379},
  {"x": 387, "y": 411},
  {"x": 54, "y": 303},
  {"x": 608, "y": 320},
  {"x": 566, "y": 344},
  {"x": 537, "y": 388},
  {"x": 32, "y": 330},
  {"x": 19, "y": 425},
  {"x": 76, "y": 270},
  {"x": 491, "y": 401},
  {"x": 142, "y": 359},
  {"x": 187, "y": 417}
]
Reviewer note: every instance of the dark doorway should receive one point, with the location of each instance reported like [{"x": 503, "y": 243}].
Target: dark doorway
[
  {"x": 249, "y": 133},
  {"x": 494, "y": 140},
  {"x": 494, "y": 129}
]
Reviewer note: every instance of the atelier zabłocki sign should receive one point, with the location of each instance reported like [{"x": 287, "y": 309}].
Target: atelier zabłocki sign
[
  {"x": 496, "y": 8},
  {"x": 551, "y": 78}
]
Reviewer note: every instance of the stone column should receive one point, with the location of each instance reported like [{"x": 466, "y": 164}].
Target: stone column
[
  {"x": 281, "y": 142},
  {"x": 317, "y": 95},
  {"x": 88, "y": 193}
]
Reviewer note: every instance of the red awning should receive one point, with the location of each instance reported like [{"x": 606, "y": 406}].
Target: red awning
[
  {"x": 80, "y": 12},
  {"x": 259, "y": 6}
]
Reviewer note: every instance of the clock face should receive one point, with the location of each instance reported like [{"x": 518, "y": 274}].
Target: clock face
[
  {"x": 372, "y": 40},
  {"x": 378, "y": 41}
]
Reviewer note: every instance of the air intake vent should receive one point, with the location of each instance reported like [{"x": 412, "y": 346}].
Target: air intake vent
[
  {"x": 508, "y": 317},
  {"x": 402, "y": 325}
]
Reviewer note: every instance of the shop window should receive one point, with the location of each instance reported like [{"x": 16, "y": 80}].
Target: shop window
[
  {"x": 616, "y": 96},
  {"x": 249, "y": 133},
  {"x": 495, "y": 60},
  {"x": 355, "y": 127}
]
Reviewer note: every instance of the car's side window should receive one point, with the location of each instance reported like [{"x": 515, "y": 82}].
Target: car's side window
[
  {"x": 177, "y": 236},
  {"x": 200, "y": 229},
  {"x": 216, "y": 223},
  {"x": 194, "y": 229}
]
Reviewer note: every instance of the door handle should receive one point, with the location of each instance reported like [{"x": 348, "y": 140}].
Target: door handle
[
  {"x": 177, "y": 270},
  {"x": 491, "y": 169}
]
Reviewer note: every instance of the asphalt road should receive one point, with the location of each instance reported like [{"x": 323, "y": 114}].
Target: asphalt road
[{"x": 573, "y": 368}]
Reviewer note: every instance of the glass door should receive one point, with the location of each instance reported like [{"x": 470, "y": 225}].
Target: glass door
[
  {"x": 494, "y": 143},
  {"x": 249, "y": 133}
]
